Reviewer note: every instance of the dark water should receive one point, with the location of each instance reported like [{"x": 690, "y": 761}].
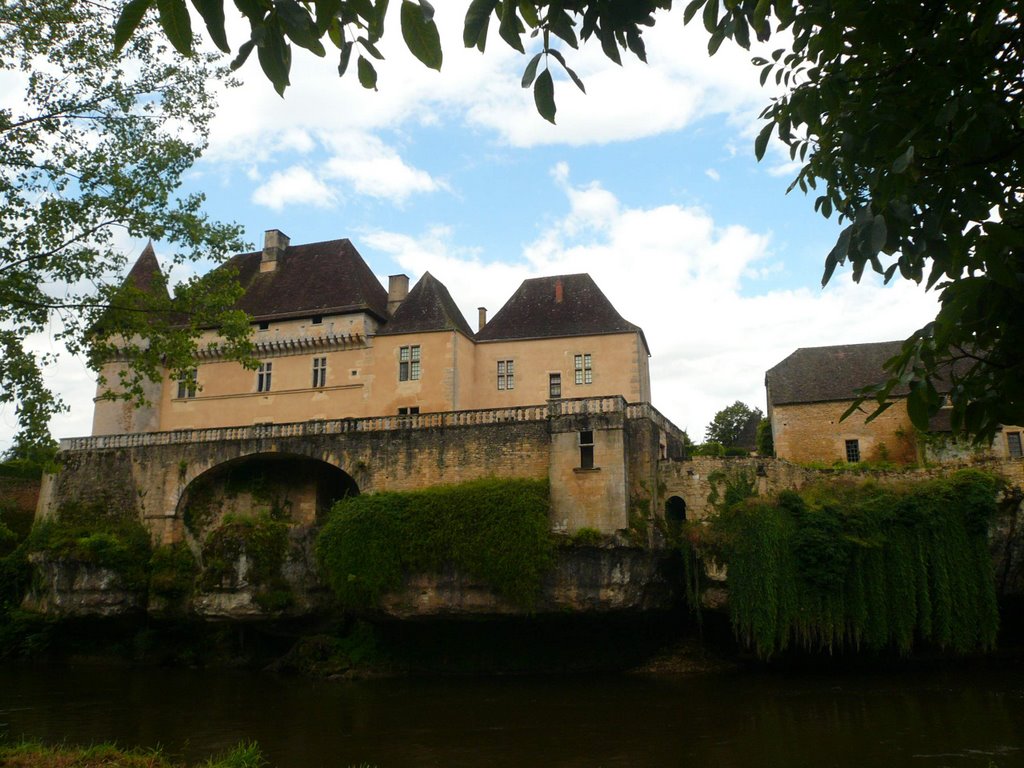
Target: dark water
[{"x": 907, "y": 719}]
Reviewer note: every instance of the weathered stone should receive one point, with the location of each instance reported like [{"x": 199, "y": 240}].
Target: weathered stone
[
  {"x": 584, "y": 580},
  {"x": 72, "y": 588}
]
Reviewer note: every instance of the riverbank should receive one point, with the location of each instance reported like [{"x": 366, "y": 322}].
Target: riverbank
[{"x": 36, "y": 755}]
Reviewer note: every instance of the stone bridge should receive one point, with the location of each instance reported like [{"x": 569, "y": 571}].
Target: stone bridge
[{"x": 156, "y": 474}]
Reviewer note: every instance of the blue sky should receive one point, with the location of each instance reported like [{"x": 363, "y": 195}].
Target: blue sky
[{"x": 648, "y": 182}]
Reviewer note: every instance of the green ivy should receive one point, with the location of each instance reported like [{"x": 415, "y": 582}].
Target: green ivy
[
  {"x": 90, "y": 534},
  {"x": 172, "y": 571},
  {"x": 495, "y": 530},
  {"x": 847, "y": 565},
  {"x": 263, "y": 540}
]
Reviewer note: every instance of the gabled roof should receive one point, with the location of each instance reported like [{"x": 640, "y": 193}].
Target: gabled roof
[
  {"x": 821, "y": 374},
  {"x": 563, "y": 305},
  {"x": 428, "y": 307},
  {"x": 316, "y": 278}
]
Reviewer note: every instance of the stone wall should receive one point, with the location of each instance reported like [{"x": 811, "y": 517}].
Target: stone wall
[{"x": 816, "y": 432}]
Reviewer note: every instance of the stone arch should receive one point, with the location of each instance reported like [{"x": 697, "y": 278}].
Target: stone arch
[
  {"x": 675, "y": 510},
  {"x": 290, "y": 486}
]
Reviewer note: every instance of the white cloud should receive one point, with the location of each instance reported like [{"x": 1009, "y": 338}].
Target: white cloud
[
  {"x": 296, "y": 185},
  {"x": 688, "y": 283},
  {"x": 712, "y": 174},
  {"x": 372, "y": 168}
]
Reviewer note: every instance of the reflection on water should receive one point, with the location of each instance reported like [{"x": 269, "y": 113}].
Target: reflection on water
[{"x": 735, "y": 720}]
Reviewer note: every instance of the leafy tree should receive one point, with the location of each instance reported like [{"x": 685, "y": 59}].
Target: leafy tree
[
  {"x": 907, "y": 114},
  {"x": 92, "y": 150},
  {"x": 765, "y": 439},
  {"x": 730, "y": 423}
]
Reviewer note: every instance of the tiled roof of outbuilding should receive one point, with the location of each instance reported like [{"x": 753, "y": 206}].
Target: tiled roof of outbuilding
[
  {"x": 315, "y": 278},
  {"x": 428, "y": 307},
  {"x": 821, "y": 374},
  {"x": 564, "y": 305}
]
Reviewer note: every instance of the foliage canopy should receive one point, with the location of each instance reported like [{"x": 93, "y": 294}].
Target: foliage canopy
[
  {"x": 905, "y": 117},
  {"x": 92, "y": 149},
  {"x": 729, "y": 424}
]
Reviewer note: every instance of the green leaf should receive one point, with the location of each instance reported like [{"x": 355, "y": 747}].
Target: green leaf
[
  {"x": 367, "y": 73},
  {"x": 879, "y": 233},
  {"x": 528, "y": 10},
  {"x": 243, "y": 53},
  {"x": 761, "y": 142},
  {"x": 128, "y": 21},
  {"x": 691, "y": 10},
  {"x": 511, "y": 28},
  {"x": 212, "y": 12},
  {"x": 531, "y": 70},
  {"x": 420, "y": 33},
  {"x": 917, "y": 407},
  {"x": 177, "y": 25},
  {"x": 568, "y": 70},
  {"x": 275, "y": 57},
  {"x": 345, "y": 57},
  {"x": 544, "y": 96},
  {"x": 478, "y": 16},
  {"x": 298, "y": 24},
  {"x": 903, "y": 161},
  {"x": 711, "y": 15}
]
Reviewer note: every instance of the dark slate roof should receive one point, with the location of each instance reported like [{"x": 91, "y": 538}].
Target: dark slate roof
[
  {"x": 564, "y": 305},
  {"x": 316, "y": 278},
  {"x": 821, "y": 374},
  {"x": 145, "y": 275},
  {"x": 428, "y": 307}
]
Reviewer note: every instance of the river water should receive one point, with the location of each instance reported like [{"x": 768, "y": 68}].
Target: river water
[{"x": 734, "y": 720}]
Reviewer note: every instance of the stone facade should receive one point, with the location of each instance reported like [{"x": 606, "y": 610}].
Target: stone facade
[{"x": 815, "y": 432}]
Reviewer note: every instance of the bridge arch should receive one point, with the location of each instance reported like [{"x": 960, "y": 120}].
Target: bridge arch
[{"x": 289, "y": 486}]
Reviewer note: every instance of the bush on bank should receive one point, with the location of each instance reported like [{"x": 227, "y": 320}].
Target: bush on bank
[
  {"x": 860, "y": 565},
  {"x": 494, "y": 530}
]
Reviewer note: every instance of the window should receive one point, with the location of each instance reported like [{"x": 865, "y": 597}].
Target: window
[
  {"x": 187, "y": 384},
  {"x": 264, "y": 326},
  {"x": 409, "y": 363},
  {"x": 586, "y": 449},
  {"x": 319, "y": 371},
  {"x": 1014, "y": 445},
  {"x": 317, "y": 319},
  {"x": 506, "y": 374},
  {"x": 554, "y": 385},
  {"x": 584, "y": 373},
  {"x": 412, "y": 410},
  {"x": 853, "y": 451},
  {"x": 263, "y": 377}
]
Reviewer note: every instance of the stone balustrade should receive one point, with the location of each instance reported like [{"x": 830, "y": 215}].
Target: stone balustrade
[{"x": 526, "y": 413}]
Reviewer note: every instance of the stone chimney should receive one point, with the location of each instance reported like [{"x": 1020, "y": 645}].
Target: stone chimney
[
  {"x": 274, "y": 244},
  {"x": 398, "y": 289},
  {"x": 482, "y": 318},
  {"x": 558, "y": 291}
]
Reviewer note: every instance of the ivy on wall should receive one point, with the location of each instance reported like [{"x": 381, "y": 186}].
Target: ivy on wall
[
  {"x": 497, "y": 531},
  {"x": 860, "y": 565}
]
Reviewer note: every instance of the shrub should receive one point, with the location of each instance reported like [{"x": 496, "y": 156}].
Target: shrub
[
  {"x": 495, "y": 530},
  {"x": 587, "y": 537}
]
